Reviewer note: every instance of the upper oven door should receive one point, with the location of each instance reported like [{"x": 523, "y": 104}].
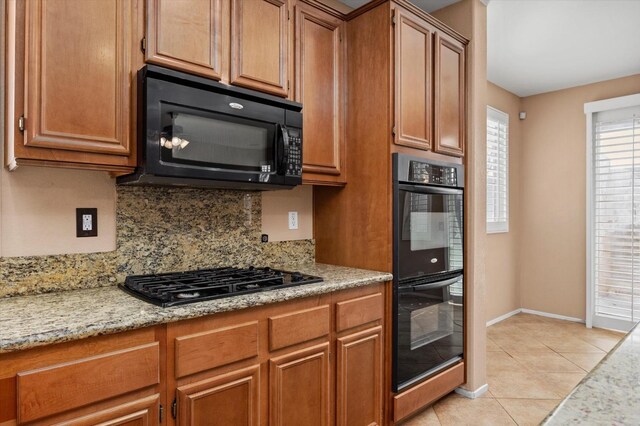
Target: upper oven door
[
  {"x": 429, "y": 230},
  {"x": 196, "y": 133}
]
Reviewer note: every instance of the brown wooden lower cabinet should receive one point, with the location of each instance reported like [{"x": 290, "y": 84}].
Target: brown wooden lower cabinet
[
  {"x": 228, "y": 399},
  {"x": 299, "y": 387},
  {"x": 108, "y": 380},
  {"x": 311, "y": 361},
  {"x": 359, "y": 378}
]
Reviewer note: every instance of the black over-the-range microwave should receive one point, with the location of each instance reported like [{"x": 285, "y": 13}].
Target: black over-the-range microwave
[{"x": 193, "y": 131}]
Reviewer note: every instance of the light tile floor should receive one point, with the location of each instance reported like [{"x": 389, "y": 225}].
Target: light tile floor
[{"x": 532, "y": 363}]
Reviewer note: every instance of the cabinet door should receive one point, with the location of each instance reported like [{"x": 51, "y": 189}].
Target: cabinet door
[
  {"x": 449, "y": 96},
  {"x": 78, "y": 61},
  {"x": 259, "y": 45},
  {"x": 299, "y": 387},
  {"x": 359, "y": 375},
  {"x": 230, "y": 399},
  {"x": 185, "y": 35},
  {"x": 319, "y": 86},
  {"x": 142, "y": 412},
  {"x": 413, "y": 81}
]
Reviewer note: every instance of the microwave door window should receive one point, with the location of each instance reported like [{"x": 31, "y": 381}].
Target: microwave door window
[{"x": 220, "y": 142}]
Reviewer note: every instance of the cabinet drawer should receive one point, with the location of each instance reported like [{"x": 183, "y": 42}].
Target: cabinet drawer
[
  {"x": 210, "y": 349},
  {"x": 298, "y": 327},
  {"x": 139, "y": 412},
  {"x": 63, "y": 387},
  {"x": 427, "y": 392},
  {"x": 355, "y": 312}
]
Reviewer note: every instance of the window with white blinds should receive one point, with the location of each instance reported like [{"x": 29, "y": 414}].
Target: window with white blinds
[
  {"x": 615, "y": 216},
  {"x": 497, "y": 171}
]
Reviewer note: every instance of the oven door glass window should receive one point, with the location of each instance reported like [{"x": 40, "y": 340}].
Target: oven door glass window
[
  {"x": 430, "y": 232},
  {"x": 220, "y": 141},
  {"x": 430, "y": 328}
]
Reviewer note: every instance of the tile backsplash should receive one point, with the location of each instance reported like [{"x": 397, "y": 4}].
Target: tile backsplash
[{"x": 161, "y": 230}]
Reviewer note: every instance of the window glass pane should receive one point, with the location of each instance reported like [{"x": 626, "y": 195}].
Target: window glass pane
[
  {"x": 497, "y": 171},
  {"x": 616, "y": 198}
]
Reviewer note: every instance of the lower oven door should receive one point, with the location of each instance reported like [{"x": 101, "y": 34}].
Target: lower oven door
[{"x": 429, "y": 328}]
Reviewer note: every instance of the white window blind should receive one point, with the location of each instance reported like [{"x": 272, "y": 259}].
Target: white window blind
[
  {"x": 497, "y": 171},
  {"x": 615, "y": 233}
]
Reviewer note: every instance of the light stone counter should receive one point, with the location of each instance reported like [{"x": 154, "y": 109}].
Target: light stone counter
[
  {"x": 30, "y": 321},
  {"x": 609, "y": 394}
]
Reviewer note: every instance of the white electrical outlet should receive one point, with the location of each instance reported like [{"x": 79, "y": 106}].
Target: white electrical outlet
[
  {"x": 87, "y": 222},
  {"x": 293, "y": 220}
]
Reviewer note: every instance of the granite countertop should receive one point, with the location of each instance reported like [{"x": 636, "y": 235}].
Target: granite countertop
[
  {"x": 30, "y": 321},
  {"x": 609, "y": 394}
]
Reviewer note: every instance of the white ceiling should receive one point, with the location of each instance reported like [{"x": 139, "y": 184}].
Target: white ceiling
[
  {"x": 537, "y": 46},
  {"x": 426, "y": 5}
]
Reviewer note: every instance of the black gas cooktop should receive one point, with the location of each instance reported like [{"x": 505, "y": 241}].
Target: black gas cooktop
[{"x": 178, "y": 288}]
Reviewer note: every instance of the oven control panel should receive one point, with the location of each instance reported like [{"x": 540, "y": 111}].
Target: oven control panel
[{"x": 420, "y": 172}]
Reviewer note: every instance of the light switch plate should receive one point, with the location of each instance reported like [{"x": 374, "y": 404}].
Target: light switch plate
[{"x": 86, "y": 222}]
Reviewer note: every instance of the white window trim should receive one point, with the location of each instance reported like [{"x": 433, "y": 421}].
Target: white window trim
[
  {"x": 591, "y": 108},
  {"x": 500, "y": 227}
]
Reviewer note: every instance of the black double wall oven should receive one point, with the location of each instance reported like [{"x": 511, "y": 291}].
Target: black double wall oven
[
  {"x": 194, "y": 131},
  {"x": 428, "y": 290}
]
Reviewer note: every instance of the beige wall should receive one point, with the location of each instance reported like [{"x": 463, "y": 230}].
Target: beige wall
[
  {"x": 469, "y": 17},
  {"x": 276, "y": 206},
  {"x": 553, "y": 173},
  {"x": 503, "y": 293},
  {"x": 37, "y": 211},
  {"x": 39, "y": 216}
]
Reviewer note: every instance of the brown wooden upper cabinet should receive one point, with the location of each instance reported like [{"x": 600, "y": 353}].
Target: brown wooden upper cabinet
[
  {"x": 413, "y": 85},
  {"x": 259, "y": 45},
  {"x": 429, "y": 86},
  {"x": 449, "y": 96},
  {"x": 70, "y": 68},
  {"x": 239, "y": 42},
  {"x": 186, "y": 34},
  {"x": 319, "y": 85}
]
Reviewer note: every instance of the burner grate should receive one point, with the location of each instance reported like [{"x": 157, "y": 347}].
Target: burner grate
[{"x": 169, "y": 289}]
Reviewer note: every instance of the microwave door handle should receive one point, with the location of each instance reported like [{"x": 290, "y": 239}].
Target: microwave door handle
[
  {"x": 283, "y": 146},
  {"x": 439, "y": 284},
  {"x": 430, "y": 189}
]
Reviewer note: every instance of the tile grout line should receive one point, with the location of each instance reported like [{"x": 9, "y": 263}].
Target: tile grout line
[
  {"x": 559, "y": 353},
  {"x": 507, "y": 411},
  {"x": 436, "y": 413}
]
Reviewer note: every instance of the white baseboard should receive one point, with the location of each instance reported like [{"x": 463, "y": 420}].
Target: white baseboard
[
  {"x": 503, "y": 317},
  {"x": 473, "y": 394},
  {"x": 548, "y": 315},
  {"x": 532, "y": 312}
]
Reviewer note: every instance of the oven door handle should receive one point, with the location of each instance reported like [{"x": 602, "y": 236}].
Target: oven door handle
[
  {"x": 430, "y": 189},
  {"x": 438, "y": 284}
]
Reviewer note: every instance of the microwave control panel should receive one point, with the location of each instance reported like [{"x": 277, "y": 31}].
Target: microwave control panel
[
  {"x": 294, "y": 161},
  {"x": 432, "y": 174}
]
